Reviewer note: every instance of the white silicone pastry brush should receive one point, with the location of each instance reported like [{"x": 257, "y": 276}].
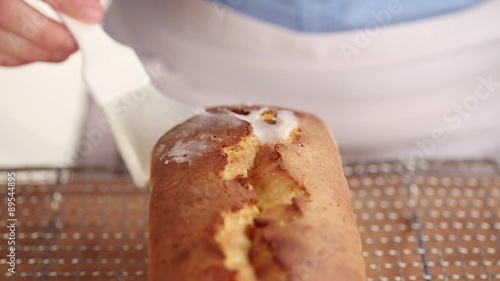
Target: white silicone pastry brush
[{"x": 139, "y": 115}]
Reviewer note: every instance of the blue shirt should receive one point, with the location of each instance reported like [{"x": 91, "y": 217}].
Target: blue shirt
[{"x": 342, "y": 15}]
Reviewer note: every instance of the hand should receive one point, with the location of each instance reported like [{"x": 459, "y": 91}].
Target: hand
[{"x": 26, "y": 35}]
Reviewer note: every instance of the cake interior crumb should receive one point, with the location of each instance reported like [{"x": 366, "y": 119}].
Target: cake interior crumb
[{"x": 275, "y": 190}]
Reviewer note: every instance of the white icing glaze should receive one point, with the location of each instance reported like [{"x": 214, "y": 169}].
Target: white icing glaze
[
  {"x": 216, "y": 120},
  {"x": 267, "y": 133},
  {"x": 185, "y": 151}
]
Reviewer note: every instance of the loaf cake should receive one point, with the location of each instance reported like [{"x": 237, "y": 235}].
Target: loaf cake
[{"x": 251, "y": 193}]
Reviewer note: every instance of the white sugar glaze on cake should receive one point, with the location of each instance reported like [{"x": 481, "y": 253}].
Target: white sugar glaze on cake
[
  {"x": 265, "y": 133},
  {"x": 188, "y": 148},
  {"x": 186, "y": 151}
]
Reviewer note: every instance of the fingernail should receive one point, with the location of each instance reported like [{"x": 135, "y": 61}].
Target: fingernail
[
  {"x": 70, "y": 44},
  {"x": 91, "y": 15}
]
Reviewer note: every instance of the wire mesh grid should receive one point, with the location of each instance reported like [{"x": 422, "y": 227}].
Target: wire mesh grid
[
  {"x": 432, "y": 220},
  {"x": 429, "y": 220}
]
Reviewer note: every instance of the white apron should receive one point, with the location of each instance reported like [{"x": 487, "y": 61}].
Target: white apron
[{"x": 428, "y": 88}]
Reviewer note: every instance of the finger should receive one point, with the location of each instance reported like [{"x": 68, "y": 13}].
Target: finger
[
  {"x": 20, "y": 48},
  {"x": 6, "y": 60},
  {"x": 24, "y": 21},
  {"x": 89, "y": 11}
]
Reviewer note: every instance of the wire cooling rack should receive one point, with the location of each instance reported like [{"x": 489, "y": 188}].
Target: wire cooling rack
[{"x": 432, "y": 220}]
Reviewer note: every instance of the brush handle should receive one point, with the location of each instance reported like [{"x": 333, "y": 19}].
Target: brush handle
[
  {"x": 137, "y": 112},
  {"x": 110, "y": 69}
]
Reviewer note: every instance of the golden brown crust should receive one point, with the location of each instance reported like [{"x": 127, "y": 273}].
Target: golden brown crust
[
  {"x": 321, "y": 241},
  {"x": 303, "y": 231}
]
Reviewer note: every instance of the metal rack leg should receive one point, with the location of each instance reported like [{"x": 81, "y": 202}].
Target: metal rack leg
[{"x": 414, "y": 217}]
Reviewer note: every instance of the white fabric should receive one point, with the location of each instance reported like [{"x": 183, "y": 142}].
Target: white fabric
[
  {"x": 397, "y": 96},
  {"x": 43, "y": 107},
  {"x": 42, "y": 111},
  {"x": 41, "y": 122}
]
